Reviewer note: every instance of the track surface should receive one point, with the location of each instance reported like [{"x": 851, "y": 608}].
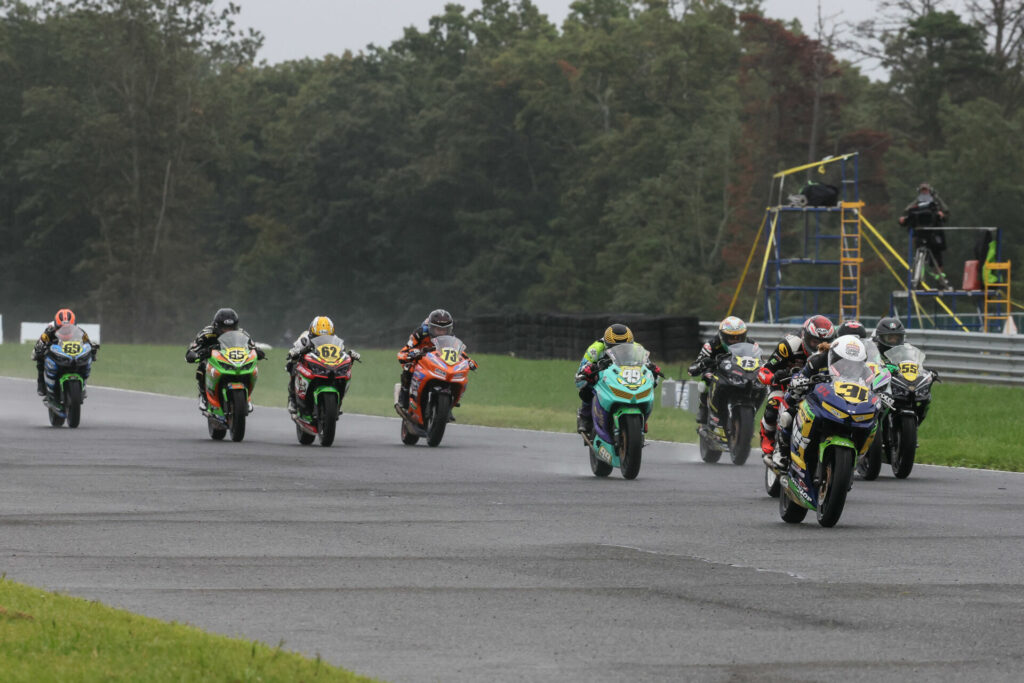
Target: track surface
[{"x": 499, "y": 557}]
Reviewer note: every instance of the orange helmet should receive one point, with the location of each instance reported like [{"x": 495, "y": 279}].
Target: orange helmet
[{"x": 65, "y": 316}]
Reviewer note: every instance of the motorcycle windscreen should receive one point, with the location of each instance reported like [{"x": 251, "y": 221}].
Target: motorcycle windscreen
[
  {"x": 69, "y": 333},
  {"x": 628, "y": 354},
  {"x": 905, "y": 353},
  {"x": 233, "y": 339},
  {"x": 746, "y": 355}
]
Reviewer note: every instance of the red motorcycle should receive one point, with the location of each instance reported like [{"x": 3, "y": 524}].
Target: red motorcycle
[
  {"x": 438, "y": 383},
  {"x": 321, "y": 379}
]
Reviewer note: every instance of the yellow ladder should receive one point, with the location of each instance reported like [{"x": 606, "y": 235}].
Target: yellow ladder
[
  {"x": 997, "y": 294},
  {"x": 849, "y": 261}
]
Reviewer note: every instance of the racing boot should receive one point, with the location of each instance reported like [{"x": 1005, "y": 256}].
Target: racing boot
[
  {"x": 702, "y": 409},
  {"x": 584, "y": 419},
  {"x": 41, "y": 386},
  {"x": 403, "y": 398},
  {"x": 292, "y": 407},
  {"x": 767, "y": 442}
]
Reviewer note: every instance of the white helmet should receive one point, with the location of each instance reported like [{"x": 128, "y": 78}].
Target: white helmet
[{"x": 848, "y": 347}]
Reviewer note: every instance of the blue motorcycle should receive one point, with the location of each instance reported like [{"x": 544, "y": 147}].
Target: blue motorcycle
[
  {"x": 834, "y": 425},
  {"x": 67, "y": 366},
  {"x": 623, "y": 400}
]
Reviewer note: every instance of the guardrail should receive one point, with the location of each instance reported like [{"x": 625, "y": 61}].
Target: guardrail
[{"x": 958, "y": 356}]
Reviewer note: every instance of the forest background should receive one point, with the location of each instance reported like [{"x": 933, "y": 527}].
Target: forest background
[{"x": 152, "y": 172}]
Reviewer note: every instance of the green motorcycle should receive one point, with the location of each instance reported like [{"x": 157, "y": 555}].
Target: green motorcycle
[{"x": 231, "y": 374}]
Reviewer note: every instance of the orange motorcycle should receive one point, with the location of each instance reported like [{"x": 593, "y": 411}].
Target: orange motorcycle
[{"x": 438, "y": 382}]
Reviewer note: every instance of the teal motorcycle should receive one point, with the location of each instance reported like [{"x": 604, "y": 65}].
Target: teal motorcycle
[{"x": 623, "y": 400}]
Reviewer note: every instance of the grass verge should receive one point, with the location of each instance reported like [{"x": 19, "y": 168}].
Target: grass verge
[
  {"x": 52, "y": 637},
  {"x": 970, "y": 425}
]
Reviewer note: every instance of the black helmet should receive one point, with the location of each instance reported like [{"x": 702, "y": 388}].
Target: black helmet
[
  {"x": 889, "y": 333},
  {"x": 853, "y": 327},
  {"x": 439, "y": 322},
  {"x": 225, "y": 319},
  {"x": 617, "y": 334}
]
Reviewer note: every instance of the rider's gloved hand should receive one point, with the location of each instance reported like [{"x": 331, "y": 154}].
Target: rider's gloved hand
[
  {"x": 415, "y": 354},
  {"x": 764, "y": 376},
  {"x": 354, "y": 355},
  {"x": 588, "y": 373},
  {"x": 472, "y": 364},
  {"x": 260, "y": 353},
  {"x": 656, "y": 370},
  {"x": 191, "y": 356}
]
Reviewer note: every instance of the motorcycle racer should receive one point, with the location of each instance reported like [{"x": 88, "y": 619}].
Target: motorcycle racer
[
  {"x": 789, "y": 356},
  {"x": 731, "y": 331},
  {"x": 320, "y": 326},
  {"x": 438, "y": 323},
  {"x": 64, "y": 316},
  {"x": 199, "y": 350},
  {"x": 587, "y": 373}
]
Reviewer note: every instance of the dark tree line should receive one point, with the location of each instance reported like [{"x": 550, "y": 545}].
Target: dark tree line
[{"x": 151, "y": 172}]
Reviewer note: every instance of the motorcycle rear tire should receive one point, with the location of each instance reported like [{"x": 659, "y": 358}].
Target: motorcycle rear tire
[
  {"x": 870, "y": 463},
  {"x": 631, "y": 453},
  {"x": 55, "y": 419},
  {"x": 741, "y": 431},
  {"x": 599, "y": 467},
  {"x": 836, "y": 474},
  {"x": 73, "y": 403},
  {"x": 771, "y": 482},
  {"x": 790, "y": 511},
  {"x": 438, "y": 419},
  {"x": 903, "y": 461},
  {"x": 707, "y": 452},
  {"x": 238, "y": 411},
  {"x": 305, "y": 438},
  {"x": 327, "y": 417},
  {"x": 408, "y": 438},
  {"x": 217, "y": 433}
]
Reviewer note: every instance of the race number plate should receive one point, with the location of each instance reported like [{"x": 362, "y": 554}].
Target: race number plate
[{"x": 854, "y": 393}]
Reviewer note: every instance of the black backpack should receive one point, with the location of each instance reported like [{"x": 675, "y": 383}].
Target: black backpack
[{"x": 820, "y": 194}]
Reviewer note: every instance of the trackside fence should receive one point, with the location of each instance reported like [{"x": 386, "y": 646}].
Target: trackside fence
[{"x": 958, "y": 356}]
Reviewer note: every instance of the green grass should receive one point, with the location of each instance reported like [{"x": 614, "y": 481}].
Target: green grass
[
  {"x": 969, "y": 425},
  {"x": 52, "y": 637}
]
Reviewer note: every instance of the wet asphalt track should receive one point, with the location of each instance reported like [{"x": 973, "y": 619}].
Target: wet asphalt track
[{"x": 498, "y": 557}]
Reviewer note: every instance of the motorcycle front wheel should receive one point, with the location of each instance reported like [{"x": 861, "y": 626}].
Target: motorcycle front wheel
[
  {"x": 741, "y": 431},
  {"x": 836, "y": 473},
  {"x": 73, "y": 402},
  {"x": 238, "y": 408},
  {"x": 632, "y": 445},
  {"x": 438, "y": 418},
  {"x": 327, "y": 417},
  {"x": 771, "y": 482},
  {"x": 903, "y": 456}
]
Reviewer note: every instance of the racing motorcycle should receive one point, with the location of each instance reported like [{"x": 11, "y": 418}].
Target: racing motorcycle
[
  {"x": 230, "y": 379},
  {"x": 439, "y": 380},
  {"x": 320, "y": 378},
  {"x": 67, "y": 365},
  {"x": 911, "y": 388},
  {"x": 834, "y": 423},
  {"x": 734, "y": 395},
  {"x": 622, "y": 403}
]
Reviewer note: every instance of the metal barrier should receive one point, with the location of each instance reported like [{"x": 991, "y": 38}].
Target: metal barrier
[{"x": 957, "y": 356}]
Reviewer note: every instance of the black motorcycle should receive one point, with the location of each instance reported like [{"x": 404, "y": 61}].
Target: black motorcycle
[
  {"x": 911, "y": 387},
  {"x": 734, "y": 395}
]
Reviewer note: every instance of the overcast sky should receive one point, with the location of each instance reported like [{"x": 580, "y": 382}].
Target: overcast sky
[{"x": 294, "y": 29}]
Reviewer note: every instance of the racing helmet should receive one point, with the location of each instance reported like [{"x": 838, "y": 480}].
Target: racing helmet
[
  {"x": 320, "y": 326},
  {"x": 853, "y": 327},
  {"x": 731, "y": 331},
  {"x": 816, "y": 329},
  {"x": 617, "y": 334},
  {"x": 889, "y": 333},
  {"x": 225, "y": 319},
  {"x": 439, "y": 323},
  {"x": 847, "y": 347},
  {"x": 64, "y": 316}
]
